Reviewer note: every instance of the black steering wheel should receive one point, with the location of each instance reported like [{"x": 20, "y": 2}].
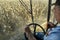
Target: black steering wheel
[{"x": 35, "y": 25}]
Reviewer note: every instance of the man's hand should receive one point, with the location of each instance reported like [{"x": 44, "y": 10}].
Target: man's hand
[
  {"x": 50, "y": 25},
  {"x": 29, "y": 34},
  {"x": 27, "y": 29}
]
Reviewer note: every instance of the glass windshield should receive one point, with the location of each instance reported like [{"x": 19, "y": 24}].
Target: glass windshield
[{"x": 15, "y": 15}]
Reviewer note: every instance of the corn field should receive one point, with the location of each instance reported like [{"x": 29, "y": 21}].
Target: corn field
[{"x": 14, "y": 18}]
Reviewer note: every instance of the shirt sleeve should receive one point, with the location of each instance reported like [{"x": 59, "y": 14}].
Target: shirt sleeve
[{"x": 54, "y": 35}]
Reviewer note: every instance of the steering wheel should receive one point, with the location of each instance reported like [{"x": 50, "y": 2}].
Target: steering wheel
[{"x": 34, "y": 33}]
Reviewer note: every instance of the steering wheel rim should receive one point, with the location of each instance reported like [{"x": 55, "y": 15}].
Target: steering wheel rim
[
  {"x": 37, "y": 25},
  {"x": 34, "y": 29}
]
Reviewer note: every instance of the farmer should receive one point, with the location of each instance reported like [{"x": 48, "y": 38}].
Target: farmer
[{"x": 54, "y": 33}]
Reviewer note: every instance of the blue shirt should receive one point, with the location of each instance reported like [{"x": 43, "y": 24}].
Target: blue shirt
[{"x": 54, "y": 34}]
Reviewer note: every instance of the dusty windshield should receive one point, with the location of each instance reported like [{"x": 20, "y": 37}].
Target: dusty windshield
[{"x": 15, "y": 15}]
